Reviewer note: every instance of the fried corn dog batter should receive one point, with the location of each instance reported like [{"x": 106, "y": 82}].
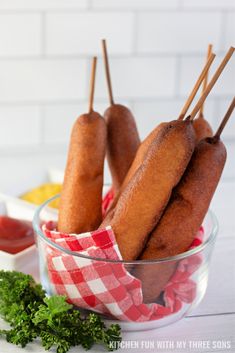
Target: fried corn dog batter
[
  {"x": 144, "y": 199},
  {"x": 185, "y": 212}
]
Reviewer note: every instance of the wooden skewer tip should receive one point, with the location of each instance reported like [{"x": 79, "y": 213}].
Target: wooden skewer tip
[
  {"x": 209, "y": 51},
  {"x": 107, "y": 71},
  {"x": 196, "y": 87},
  {"x": 92, "y": 84},
  {"x": 225, "y": 119},
  {"x": 212, "y": 82}
]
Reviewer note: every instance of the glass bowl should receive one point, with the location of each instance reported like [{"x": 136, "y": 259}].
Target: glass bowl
[{"x": 182, "y": 278}]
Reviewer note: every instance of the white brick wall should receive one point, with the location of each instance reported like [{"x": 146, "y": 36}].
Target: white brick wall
[
  {"x": 178, "y": 32},
  {"x": 80, "y": 33},
  {"x": 43, "y": 4},
  {"x": 225, "y": 86},
  {"x": 209, "y": 4},
  {"x": 230, "y": 28},
  {"x": 42, "y": 80},
  {"x": 138, "y": 78},
  {"x": 20, "y": 126},
  {"x": 157, "y": 49},
  {"x": 135, "y": 4},
  {"x": 20, "y": 34}
]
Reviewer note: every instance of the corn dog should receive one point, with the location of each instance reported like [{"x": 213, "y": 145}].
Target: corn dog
[
  {"x": 200, "y": 124},
  {"x": 142, "y": 150},
  {"x": 81, "y": 198},
  {"x": 143, "y": 200},
  {"x": 202, "y": 128},
  {"x": 138, "y": 210},
  {"x": 163, "y": 272},
  {"x": 137, "y": 162},
  {"x": 123, "y": 138},
  {"x": 185, "y": 212}
]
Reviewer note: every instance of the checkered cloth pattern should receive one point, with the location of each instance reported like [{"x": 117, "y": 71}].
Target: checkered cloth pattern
[
  {"x": 107, "y": 200},
  {"x": 108, "y": 287}
]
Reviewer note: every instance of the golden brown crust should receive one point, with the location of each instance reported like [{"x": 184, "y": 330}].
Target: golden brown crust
[
  {"x": 184, "y": 214},
  {"x": 154, "y": 278},
  {"x": 81, "y": 198},
  {"x": 143, "y": 200},
  {"x": 138, "y": 160},
  {"x": 141, "y": 153},
  {"x": 202, "y": 128},
  {"x": 122, "y": 142}
]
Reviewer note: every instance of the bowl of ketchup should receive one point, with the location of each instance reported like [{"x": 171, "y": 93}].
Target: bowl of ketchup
[{"x": 15, "y": 235}]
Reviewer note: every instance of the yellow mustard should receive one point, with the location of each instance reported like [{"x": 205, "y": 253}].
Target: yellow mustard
[{"x": 42, "y": 193}]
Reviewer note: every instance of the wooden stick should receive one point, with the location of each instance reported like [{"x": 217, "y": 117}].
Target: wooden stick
[
  {"x": 107, "y": 71},
  {"x": 196, "y": 87},
  {"x": 209, "y": 51},
  {"x": 225, "y": 119},
  {"x": 212, "y": 82},
  {"x": 92, "y": 85}
]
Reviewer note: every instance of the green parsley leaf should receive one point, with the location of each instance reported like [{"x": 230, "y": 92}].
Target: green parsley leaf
[{"x": 24, "y": 305}]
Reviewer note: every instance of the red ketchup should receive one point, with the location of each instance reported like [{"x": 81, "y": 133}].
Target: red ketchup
[{"x": 15, "y": 235}]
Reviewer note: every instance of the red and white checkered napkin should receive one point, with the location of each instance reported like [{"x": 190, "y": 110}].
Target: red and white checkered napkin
[
  {"x": 107, "y": 200},
  {"x": 108, "y": 287}
]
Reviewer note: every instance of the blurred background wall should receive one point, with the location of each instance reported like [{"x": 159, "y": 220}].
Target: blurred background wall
[{"x": 157, "y": 49}]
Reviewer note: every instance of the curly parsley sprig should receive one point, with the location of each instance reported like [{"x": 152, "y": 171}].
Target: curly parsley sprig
[{"x": 24, "y": 305}]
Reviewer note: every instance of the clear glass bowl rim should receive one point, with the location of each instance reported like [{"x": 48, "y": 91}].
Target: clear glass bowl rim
[{"x": 211, "y": 238}]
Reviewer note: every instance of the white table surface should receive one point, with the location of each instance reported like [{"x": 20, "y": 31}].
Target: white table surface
[{"x": 213, "y": 322}]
